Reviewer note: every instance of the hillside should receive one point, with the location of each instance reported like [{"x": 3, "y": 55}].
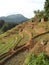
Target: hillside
[
  {"x": 4, "y": 26},
  {"x": 8, "y": 22},
  {"x": 14, "y": 18},
  {"x": 27, "y": 37}
]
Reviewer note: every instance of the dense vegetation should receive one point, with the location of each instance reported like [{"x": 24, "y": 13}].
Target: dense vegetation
[
  {"x": 46, "y": 7},
  {"x": 40, "y": 59},
  {"x": 43, "y": 13},
  {"x": 4, "y": 26}
]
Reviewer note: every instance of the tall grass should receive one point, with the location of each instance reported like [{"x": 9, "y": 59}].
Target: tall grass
[{"x": 40, "y": 59}]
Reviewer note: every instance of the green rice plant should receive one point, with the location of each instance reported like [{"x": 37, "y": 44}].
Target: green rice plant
[
  {"x": 25, "y": 38},
  {"x": 9, "y": 43}
]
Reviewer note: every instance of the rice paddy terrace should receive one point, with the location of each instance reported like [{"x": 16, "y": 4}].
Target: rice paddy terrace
[{"x": 15, "y": 44}]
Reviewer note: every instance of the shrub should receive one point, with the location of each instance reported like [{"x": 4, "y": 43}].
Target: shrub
[{"x": 40, "y": 59}]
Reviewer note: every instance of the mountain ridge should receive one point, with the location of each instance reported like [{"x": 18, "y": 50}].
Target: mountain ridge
[{"x": 13, "y": 18}]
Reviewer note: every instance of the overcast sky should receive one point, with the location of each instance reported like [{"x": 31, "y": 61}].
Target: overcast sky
[{"x": 25, "y": 7}]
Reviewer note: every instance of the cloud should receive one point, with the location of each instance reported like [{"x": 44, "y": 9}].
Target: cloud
[{"x": 25, "y": 7}]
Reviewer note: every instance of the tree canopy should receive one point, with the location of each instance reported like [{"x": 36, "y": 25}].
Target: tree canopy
[{"x": 46, "y": 7}]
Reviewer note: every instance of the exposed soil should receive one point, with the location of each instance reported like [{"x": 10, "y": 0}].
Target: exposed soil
[{"x": 40, "y": 30}]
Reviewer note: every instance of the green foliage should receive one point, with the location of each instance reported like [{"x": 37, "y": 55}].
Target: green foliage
[
  {"x": 43, "y": 13},
  {"x": 10, "y": 42},
  {"x": 6, "y": 45},
  {"x": 4, "y": 26},
  {"x": 39, "y": 14},
  {"x": 46, "y": 7},
  {"x": 8, "y": 26},
  {"x": 1, "y": 23},
  {"x": 40, "y": 59}
]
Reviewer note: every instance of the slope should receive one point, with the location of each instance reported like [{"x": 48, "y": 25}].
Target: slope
[{"x": 26, "y": 31}]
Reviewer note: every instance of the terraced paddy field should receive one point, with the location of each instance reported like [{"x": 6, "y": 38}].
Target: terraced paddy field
[
  {"x": 40, "y": 51},
  {"x": 41, "y": 37},
  {"x": 17, "y": 59},
  {"x": 8, "y": 43},
  {"x": 24, "y": 40},
  {"x": 44, "y": 25},
  {"x": 17, "y": 38},
  {"x": 12, "y": 42}
]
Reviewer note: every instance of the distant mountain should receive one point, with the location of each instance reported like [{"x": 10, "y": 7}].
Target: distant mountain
[{"x": 14, "y": 18}]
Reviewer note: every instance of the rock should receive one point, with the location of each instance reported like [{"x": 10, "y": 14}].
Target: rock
[{"x": 44, "y": 42}]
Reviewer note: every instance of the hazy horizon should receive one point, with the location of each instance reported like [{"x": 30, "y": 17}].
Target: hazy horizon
[{"x": 24, "y": 7}]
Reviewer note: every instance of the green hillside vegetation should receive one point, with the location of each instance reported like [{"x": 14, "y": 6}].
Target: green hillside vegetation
[
  {"x": 40, "y": 59},
  {"x": 9, "y": 42},
  {"x": 4, "y": 26}
]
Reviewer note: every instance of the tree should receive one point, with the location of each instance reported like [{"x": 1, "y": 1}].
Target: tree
[
  {"x": 1, "y": 23},
  {"x": 37, "y": 12},
  {"x": 46, "y": 7},
  {"x": 39, "y": 15},
  {"x": 36, "y": 17}
]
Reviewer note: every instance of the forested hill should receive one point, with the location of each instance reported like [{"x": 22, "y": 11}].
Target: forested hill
[{"x": 14, "y": 18}]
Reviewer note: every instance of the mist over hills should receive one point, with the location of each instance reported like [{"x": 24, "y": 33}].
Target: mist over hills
[{"x": 14, "y": 18}]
